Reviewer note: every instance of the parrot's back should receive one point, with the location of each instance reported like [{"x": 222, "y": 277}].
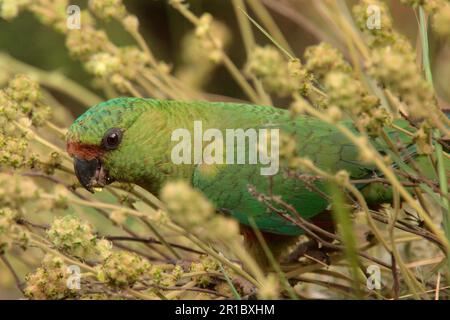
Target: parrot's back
[{"x": 227, "y": 185}]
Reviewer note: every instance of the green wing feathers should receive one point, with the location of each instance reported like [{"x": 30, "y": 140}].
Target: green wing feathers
[{"x": 227, "y": 186}]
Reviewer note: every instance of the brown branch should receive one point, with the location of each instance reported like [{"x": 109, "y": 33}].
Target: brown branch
[
  {"x": 300, "y": 20},
  {"x": 195, "y": 289},
  {"x": 396, "y": 280}
]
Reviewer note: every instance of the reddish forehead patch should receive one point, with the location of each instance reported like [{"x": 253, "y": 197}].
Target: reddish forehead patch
[{"x": 84, "y": 151}]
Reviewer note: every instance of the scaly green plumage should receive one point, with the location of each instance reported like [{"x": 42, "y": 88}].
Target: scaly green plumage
[{"x": 143, "y": 156}]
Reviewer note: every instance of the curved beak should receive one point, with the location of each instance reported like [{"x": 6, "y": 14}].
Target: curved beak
[{"x": 91, "y": 173}]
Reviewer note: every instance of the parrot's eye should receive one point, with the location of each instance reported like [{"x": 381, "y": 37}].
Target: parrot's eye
[{"x": 112, "y": 138}]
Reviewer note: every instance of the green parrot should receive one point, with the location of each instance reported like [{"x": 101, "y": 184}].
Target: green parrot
[{"x": 131, "y": 140}]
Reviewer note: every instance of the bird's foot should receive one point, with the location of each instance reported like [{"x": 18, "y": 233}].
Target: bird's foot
[{"x": 309, "y": 250}]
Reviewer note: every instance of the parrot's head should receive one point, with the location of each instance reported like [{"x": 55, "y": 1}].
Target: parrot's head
[{"x": 101, "y": 141}]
